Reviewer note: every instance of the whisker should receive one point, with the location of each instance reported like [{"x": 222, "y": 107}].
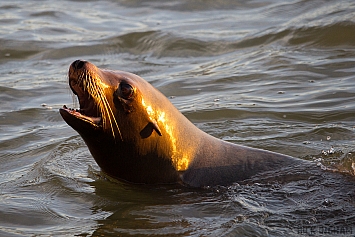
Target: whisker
[
  {"x": 105, "y": 105},
  {"x": 97, "y": 93},
  {"x": 111, "y": 115}
]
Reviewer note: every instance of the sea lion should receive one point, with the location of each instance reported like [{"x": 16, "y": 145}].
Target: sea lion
[{"x": 135, "y": 134}]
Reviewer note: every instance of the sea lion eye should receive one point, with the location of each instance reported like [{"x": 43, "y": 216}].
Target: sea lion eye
[{"x": 126, "y": 91}]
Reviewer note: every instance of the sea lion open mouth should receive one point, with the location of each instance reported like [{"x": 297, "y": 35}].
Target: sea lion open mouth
[
  {"x": 95, "y": 121},
  {"x": 94, "y": 109},
  {"x": 89, "y": 110}
]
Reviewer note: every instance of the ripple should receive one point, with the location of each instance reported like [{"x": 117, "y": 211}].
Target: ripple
[{"x": 276, "y": 75}]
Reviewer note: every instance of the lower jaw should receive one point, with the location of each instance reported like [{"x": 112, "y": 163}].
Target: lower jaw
[{"x": 93, "y": 120}]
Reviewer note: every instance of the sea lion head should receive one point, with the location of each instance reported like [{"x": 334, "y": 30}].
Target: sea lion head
[
  {"x": 118, "y": 119},
  {"x": 111, "y": 102}
]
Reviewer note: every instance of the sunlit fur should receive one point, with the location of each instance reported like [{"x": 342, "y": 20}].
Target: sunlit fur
[{"x": 95, "y": 88}]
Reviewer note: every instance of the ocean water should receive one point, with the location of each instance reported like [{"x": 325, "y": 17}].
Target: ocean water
[{"x": 276, "y": 75}]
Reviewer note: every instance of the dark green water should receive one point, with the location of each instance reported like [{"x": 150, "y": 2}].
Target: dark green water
[{"x": 277, "y": 75}]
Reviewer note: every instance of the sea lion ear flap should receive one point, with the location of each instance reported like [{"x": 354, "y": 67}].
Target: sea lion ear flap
[
  {"x": 156, "y": 127},
  {"x": 148, "y": 130}
]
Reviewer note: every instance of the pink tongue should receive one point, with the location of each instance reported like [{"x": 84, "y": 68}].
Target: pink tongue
[{"x": 96, "y": 120}]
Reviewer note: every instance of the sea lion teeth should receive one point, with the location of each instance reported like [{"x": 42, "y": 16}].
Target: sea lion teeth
[
  {"x": 135, "y": 133},
  {"x": 78, "y": 114}
]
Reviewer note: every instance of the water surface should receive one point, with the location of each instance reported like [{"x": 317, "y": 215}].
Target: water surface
[{"x": 277, "y": 75}]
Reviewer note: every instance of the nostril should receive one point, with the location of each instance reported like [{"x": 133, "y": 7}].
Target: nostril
[{"x": 78, "y": 64}]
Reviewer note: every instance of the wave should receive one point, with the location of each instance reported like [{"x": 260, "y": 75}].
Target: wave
[
  {"x": 160, "y": 44},
  {"x": 337, "y": 34}
]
